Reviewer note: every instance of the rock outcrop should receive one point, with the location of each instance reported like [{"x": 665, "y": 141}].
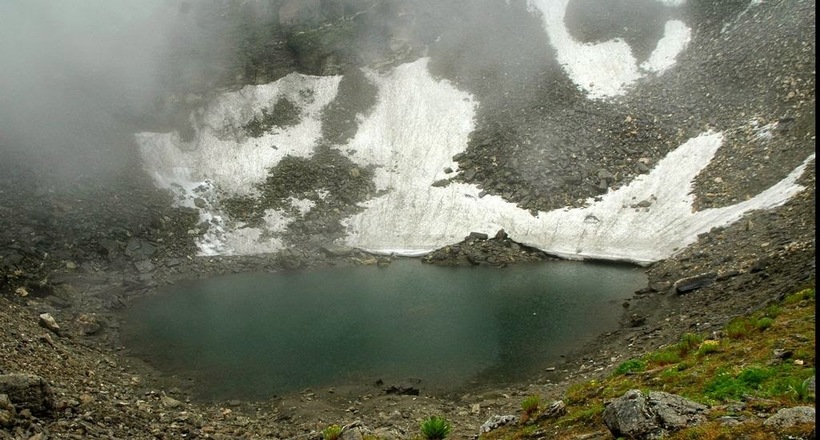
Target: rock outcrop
[{"x": 638, "y": 416}]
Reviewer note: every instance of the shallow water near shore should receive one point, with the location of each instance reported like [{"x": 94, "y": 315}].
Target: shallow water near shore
[{"x": 257, "y": 335}]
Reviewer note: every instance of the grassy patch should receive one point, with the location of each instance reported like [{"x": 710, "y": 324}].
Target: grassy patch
[
  {"x": 631, "y": 366},
  {"x": 739, "y": 368},
  {"x": 530, "y": 406}
]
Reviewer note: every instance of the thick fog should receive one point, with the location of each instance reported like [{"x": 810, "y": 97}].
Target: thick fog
[{"x": 74, "y": 75}]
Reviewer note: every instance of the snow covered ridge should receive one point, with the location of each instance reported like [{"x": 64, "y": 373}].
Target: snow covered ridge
[
  {"x": 411, "y": 145},
  {"x": 409, "y": 139}
]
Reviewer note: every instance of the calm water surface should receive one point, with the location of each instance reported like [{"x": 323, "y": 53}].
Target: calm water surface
[{"x": 257, "y": 335}]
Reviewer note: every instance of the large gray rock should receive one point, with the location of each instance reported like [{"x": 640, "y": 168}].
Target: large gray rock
[
  {"x": 27, "y": 391},
  {"x": 640, "y": 417},
  {"x": 788, "y": 417},
  {"x": 496, "y": 422}
]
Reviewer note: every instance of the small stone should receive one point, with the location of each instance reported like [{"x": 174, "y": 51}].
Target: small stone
[
  {"x": 48, "y": 321},
  {"x": 88, "y": 324},
  {"x": 169, "y": 402}
]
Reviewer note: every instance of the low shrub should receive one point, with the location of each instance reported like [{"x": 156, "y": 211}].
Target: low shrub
[
  {"x": 764, "y": 323},
  {"x": 669, "y": 356},
  {"x": 739, "y": 328},
  {"x": 631, "y": 366},
  {"x": 708, "y": 346}
]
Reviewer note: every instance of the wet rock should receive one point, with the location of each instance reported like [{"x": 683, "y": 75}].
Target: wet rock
[
  {"x": 638, "y": 416},
  {"x": 788, "y": 417},
  {"x": 689, "y": 284},
  {"x": 479, "y": 235},
  {"x": 636, "y": 320},
  {"x": 402, "y": 390},
  {"x": 138, "y": 248},
  {"x": 144, "y": 266},
  {"x": 336, "y": 250},
  {"x": 440, "y": 183},
  {"x": 27, "y": 391},
  {"x": 58, "y": 302},
  {"x": 88, "y": 324}
]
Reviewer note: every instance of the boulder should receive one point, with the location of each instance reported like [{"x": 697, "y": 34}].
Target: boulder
[
  {"x": 688, "y": 284},
  {"x": 788, "y": 417},
  {"x": 496, "y": 422},
  {"x": 642, "y": 417},
  {"x": 27, "y": 391}
]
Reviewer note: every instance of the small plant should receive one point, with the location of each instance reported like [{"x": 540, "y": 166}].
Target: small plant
[
  {"x": 435, "y": 428},
  {"x": 805, "y": 294},
  {"x": 708, "y": 346},
  {"x": 772, "y": 311},
  {"x": 764, "y": 323},
  {"x": 801, "y": 391},
  {"x": 689, "y": 341},
  {"x": 739, "y": 328},
  {"x": 631, "y": 366},
  {"x": 665, "y": 357},
  {"x": 332, "y": 432},
  {"x": 530, "y": 406}
]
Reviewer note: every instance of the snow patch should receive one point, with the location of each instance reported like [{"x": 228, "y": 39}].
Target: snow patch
[
  {"x": 223, "y": 161},
  {"x": 676, "y": 36},
  {"x": 411, "y": 144},
  {"x": 607, "y": 69}
]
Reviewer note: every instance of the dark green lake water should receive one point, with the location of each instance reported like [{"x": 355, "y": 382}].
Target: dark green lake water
[{"x": 257, "y": 335}]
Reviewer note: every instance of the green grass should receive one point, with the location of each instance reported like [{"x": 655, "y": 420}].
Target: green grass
[
  {"x": 530, "y": 405},
  {"x": 631, "y": 366}
]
